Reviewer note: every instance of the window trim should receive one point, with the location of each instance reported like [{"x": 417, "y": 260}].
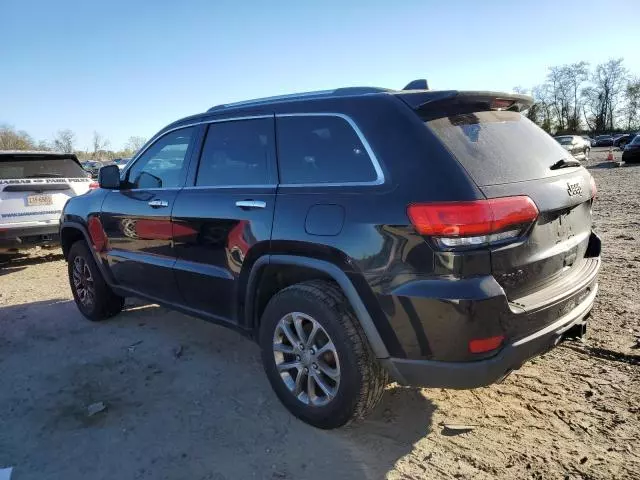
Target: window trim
[
  {"x": 379, "y": 180},
  {"x": 272, "y": 161},
  {"x": 187, "y": 159}
]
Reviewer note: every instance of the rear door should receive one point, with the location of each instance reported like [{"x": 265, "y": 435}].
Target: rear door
[
  {"x": 35, "y": 187},
  {"x": 137, "y": 218},
  {"x": 507, "y": 155},
  {"x": 223, "y": 220}
]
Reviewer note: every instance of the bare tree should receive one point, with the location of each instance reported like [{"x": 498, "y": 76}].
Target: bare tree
[
  {"x": 632, "y": 103},
  {"x": 135, "y": 143},
  {"x": 100, "y": 144},
  {"x": 64, "y": 141},
  {"x": 10, "y": 139},
  {"x": 564, "y": 83},
  {"x": 520, "y": 90},
  {"x": 542, "y": 110},
  {"x": 603, "y": 97}
]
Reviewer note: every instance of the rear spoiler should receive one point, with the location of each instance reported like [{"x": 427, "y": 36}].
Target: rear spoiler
[{"x": 464, "y": 101}]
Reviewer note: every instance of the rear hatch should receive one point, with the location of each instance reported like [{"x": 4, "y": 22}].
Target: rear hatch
[
  {"x": 34, "y": 187},
  {"x": 507, "y": 155}
]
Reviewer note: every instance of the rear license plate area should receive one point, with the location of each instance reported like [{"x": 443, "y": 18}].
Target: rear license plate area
[{"x": 39, "y": 200}]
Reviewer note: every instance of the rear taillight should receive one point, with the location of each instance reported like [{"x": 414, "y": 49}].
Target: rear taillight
[
  {"x": 94, "y": 185},
  {"x": 482, "y": 345},
  {"x": 475, "y": 223}
]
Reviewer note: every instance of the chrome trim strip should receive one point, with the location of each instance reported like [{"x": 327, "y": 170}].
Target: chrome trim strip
[
  {"x": 372, "y": 156},
  {"x": 158, "y": 137},
  {"x": 223, "y": 187}
]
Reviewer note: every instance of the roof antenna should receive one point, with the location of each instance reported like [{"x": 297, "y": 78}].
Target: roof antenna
[{"x": 420, "y": 84}]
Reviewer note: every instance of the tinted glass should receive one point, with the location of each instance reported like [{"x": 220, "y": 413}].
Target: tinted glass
[
  {"x": 498, "y": 146},
  {"x": 321, "y": 149},
  {"x": 237, "y": 153},
  {"x": 636, "y": 140},
  {"x": 564, "y": 140},
  {"x": 40, "y": 168},
  {"x": 163, "y": 164}
]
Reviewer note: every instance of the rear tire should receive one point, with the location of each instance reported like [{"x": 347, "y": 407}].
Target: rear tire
[
  {"x": 94, "y": 298},
  {"x": 355, "y": 380}
]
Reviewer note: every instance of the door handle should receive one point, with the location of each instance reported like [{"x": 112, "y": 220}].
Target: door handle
[
  {"x": 251, "y": 204},
  {"x": 158, "y": 203}
]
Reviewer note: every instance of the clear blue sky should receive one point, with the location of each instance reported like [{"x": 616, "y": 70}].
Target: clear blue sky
[{"x": 127, "y": 67}]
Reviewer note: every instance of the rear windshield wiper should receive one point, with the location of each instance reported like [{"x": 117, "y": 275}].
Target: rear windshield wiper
[
  {"x": 564, "y": 163},
  {"x": 44, "y": 175}
]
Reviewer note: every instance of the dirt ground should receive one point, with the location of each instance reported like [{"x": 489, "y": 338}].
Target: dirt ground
[{"x": 188, "y": 400}]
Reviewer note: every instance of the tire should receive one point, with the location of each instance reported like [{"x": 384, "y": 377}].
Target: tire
[
  {"x": 361, "y": 377},
  {"x": 102, "y": 303}
]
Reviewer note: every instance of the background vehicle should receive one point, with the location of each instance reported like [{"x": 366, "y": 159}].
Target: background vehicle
[
  {"x": 631, "y": 153},
  {"x": 623, "y": 140},
  {"x": 604, "y": 141},
  {"x": 575, "y": 145},
  {"x": 121, "y": 162},
  {"x": 92, "y": 167},
  {"x": 34, "y": 187},
  {"x": 590, "y": 141},
  {"x": 403, "y": 234}
]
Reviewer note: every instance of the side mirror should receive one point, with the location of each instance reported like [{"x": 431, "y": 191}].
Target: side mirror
[{"x": 109, "y": 177}]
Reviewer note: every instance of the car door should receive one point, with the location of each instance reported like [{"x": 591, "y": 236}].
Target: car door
[
  {"x": 223, "y": 220},
  {"x": 137, "y": 218}
]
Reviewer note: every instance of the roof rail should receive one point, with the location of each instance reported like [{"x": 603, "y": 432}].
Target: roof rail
[{"x": 345, "y": 91}]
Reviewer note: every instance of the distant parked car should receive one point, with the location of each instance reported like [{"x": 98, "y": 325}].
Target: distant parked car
[
  {"x": 575, "y": 145},
  {"x": 604, "y": 141},
  {"x": 34, "y": 188},
  {"x": 121, "y": 162},
  {"x": 591, "y": 141},
  {"x": 623, "y": 140},
  {"x": 631, "y": 152},
  {"x": 92, "y": 167}
]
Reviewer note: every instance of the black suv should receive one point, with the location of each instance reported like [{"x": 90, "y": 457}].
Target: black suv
[{"x": 435, "y": 238}]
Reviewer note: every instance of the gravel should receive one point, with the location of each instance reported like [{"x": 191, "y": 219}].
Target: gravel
[{"x": 187, "y": 399}]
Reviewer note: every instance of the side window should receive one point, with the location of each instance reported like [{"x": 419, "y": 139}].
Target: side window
[
  {"x": 163, "y": 164},
  {"x": 237, "y": 152},
  {"x": 321, "y": 149}
]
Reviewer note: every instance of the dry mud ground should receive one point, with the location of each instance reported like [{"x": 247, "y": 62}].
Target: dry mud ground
[{"x": 208, "y": 412}]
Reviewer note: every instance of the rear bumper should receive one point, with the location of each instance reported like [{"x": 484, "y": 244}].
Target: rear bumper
[
  {"x": 474, "y": 374},
  {"x": 24, "y": 237}
]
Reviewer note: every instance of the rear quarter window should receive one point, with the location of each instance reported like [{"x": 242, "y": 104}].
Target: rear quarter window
[
  {"x": 321, "y": 149},
  {"x": 498, "y": 146}
]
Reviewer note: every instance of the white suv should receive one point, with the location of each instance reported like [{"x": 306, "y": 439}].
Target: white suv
[{"x": 34, "y": 188}]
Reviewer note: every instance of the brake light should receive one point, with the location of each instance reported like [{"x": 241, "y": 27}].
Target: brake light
[
  {"x": 594, "y": 189},
  {"x": 474, "y": 223},
  {"x": 482, "y": 345},
  {"x": 94, "y": 185},
  {"x": 501, "y": 103}
]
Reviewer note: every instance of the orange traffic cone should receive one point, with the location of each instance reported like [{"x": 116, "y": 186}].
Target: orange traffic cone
[{"x": 610, "y": 157}]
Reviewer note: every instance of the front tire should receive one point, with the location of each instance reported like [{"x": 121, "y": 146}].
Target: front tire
[
  {"x": 317, "y": 357},
  {"x": 94, "y": 298}
]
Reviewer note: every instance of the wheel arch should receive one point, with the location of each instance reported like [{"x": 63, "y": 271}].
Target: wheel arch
[{"x": 318, "y": 269}]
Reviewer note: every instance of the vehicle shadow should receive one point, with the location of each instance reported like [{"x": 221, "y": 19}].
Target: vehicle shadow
[
  {"x": 25, "y": 258},
  {"x": 194, "y": 394},
  {"x": 605, "y": 164}
]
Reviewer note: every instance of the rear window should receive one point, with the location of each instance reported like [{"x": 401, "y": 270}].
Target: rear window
[
  {"x": 321, "y": 149},
  {"x": 40, "y": 168},
  {"x": 498, "y": 146},
  {"x": 564, "y": 140}
]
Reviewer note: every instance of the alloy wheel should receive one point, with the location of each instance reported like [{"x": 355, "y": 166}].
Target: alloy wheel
[
  {"x": 306, "y": 359},
  {"x": 83, "y": 282}
]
